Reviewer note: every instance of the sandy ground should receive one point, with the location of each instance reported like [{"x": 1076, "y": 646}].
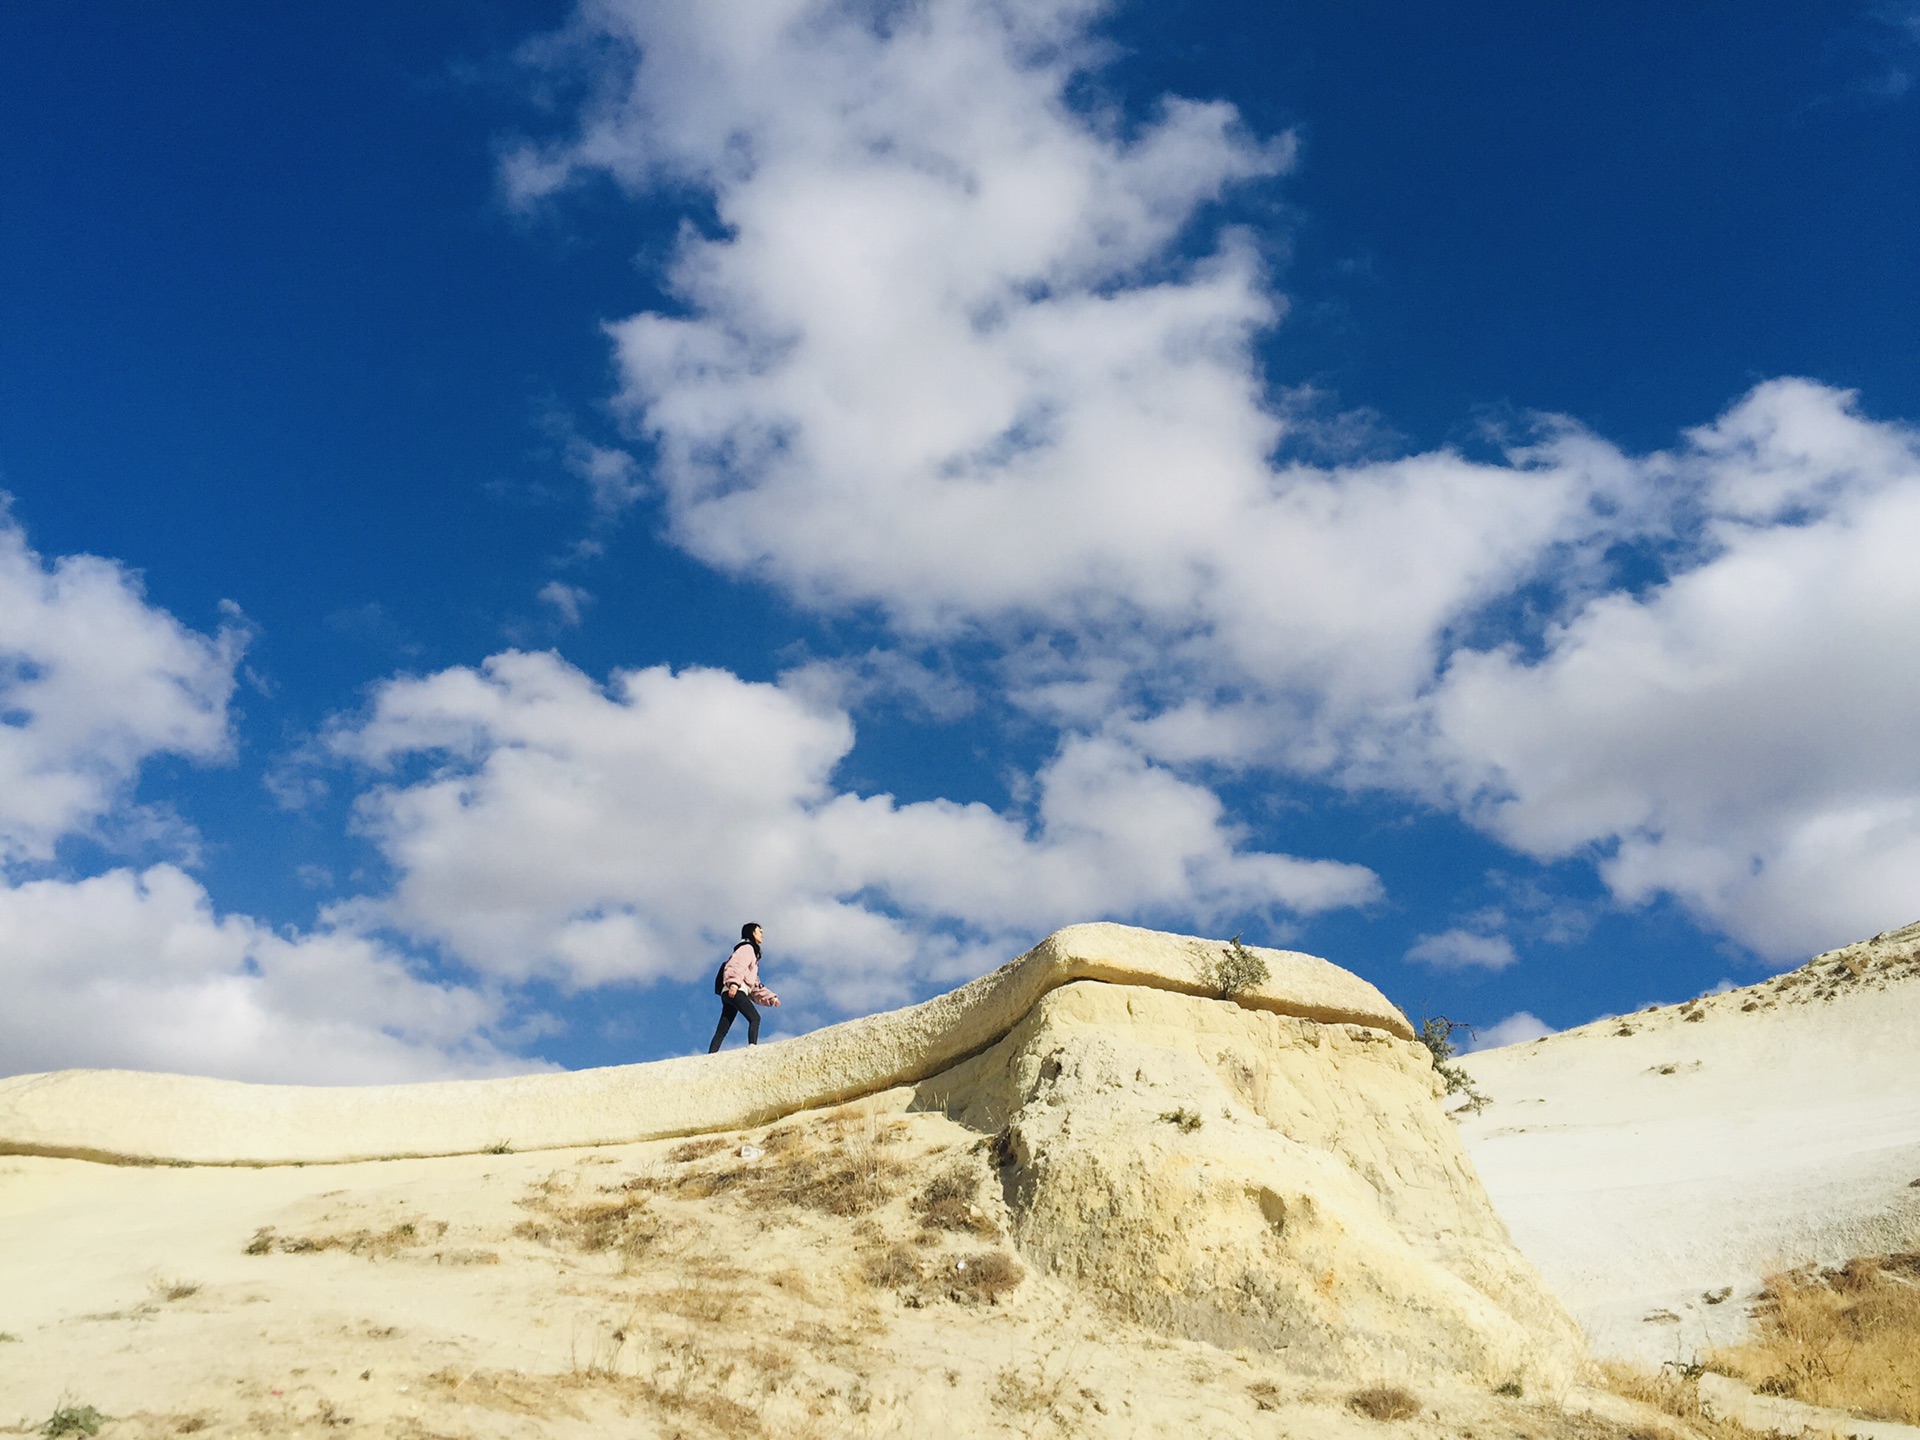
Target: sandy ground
[
  {"x": 640, "y": 1290},
  {"x": 1655, "y": 1167}
]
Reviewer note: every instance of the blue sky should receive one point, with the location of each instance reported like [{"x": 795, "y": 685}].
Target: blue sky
[{"x": 502, "y": 493}]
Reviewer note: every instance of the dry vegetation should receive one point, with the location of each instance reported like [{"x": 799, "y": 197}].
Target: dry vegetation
[
  {"x": 951, "y": 1201},
  {"x": 840, "y": 1165},
  {"x": 375, "y": 1245},
  {"x": 1674, "y": 1393},
  {"x": 1845, "y": 1338},
  {"x": 1384, "y": 1402},
  {"x": 622, "y": 1222}
]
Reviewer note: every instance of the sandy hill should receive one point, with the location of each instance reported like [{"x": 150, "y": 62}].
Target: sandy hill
[
  {"x": 1080, "y": 1196},
  {"x": 1656, "y": 1166}
]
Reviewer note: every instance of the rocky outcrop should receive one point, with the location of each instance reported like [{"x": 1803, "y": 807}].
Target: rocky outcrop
[
  {"x": 125, "y": 1116},
  {"x": 1256, "y": 1180},
  {"x": 1272, "y": 1172}
]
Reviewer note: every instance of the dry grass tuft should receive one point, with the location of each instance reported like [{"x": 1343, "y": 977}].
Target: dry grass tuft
[
  {"x": 895, "y": 1268},
  {"x": 1384, "y": 1402},
  {"x": 620, "y": 1221},
  {"x": 373, "y": 1244},
  {"x": 676, "y": 1391},
  {"x": 983, "y": 1277},
  {"x": 1042, "y": 1402},
  {"x": 951, "y": 1201},
  {"x": 838, "y": 1165},
  {"x": 695, "y": 1150},
  {"x": 1843, "y": 1338},
  {"x": 1672, "y": 1392}
]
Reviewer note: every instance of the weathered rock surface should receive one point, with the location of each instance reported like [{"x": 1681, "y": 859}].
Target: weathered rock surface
[
  {"x": 124, "y": 1116},
  {"x": 1272, "y": 1173},
  {"x": 1256, "y": 1180}
]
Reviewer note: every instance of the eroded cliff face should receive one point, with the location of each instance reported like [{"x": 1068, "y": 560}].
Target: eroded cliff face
[
  {"x": 1256, "y": 1181},
  {"x": 1073, "y": 1197}
]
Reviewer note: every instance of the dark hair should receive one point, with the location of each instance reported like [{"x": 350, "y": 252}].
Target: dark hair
[{"x": 746, "y": 934}]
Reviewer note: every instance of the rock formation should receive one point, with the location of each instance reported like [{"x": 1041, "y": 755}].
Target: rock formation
[
  {"x": 119, "y": 1116},
  {"x": 1271, "y": 1172},
  {"x": 1256, "y": 1180}
]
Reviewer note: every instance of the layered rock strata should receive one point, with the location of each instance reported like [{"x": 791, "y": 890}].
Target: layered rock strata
[
  {"x": 1257, "y": 1180},
  {"x": 144, "y": 1118}
]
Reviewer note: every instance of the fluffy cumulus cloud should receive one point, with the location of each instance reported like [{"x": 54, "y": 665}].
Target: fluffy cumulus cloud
[
  {"x": 1740, "y": 735},
  {"x": 1517, "y": 1029},
  {"x": 93, "y": 681},
  {"x": 129, "y": 968},
  {"x": 135, "y": 969},
  {"x": 953, "y": 354},
  {"x": 966, "y": 353},
  {"x": 599, "y": 833},
  {"x": 1460, "y": 949}
]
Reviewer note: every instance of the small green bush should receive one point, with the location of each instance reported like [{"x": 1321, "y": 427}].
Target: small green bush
[
  {"x": 73, "y": 1420},
  {"x": 1233, "y": 971},
  {"x": 1437, "y": 1035}
]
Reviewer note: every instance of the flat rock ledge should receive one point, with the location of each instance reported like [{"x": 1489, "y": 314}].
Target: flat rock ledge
[{"x": 130, "y": 1117}]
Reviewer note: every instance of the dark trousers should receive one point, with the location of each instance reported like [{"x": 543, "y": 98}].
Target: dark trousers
[{"x": 731, "y": 1005}]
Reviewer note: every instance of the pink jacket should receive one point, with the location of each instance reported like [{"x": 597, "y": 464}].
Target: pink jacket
[{"x": 742, "y": 968}]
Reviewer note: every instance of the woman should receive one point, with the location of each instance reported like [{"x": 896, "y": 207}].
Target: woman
[{"x": 740, "y": 987}]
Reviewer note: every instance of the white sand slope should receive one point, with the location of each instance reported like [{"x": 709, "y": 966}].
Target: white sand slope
[
  {"x": 1656, "y": 1166},
  {"x": 125, "y": 1116}
]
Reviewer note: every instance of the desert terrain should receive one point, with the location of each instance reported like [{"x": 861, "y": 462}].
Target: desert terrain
[{"x": 1124, "y": 1206}]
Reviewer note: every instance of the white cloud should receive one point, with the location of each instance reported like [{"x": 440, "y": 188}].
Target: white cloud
[
  {"x": 569, "y": 601},
  {"x": 1517, "y": 1029},
  {"x": 967, "y": 354},
  {"x": 622, "y": 833},
  {"x": 135, "y": 970},
  {"x": 93, "y": 681},
  {"x": 944, "y": 360},
  {"x": 1740, "y": 736},
  {"x": 1462, "y": 950},
  {"x": 854, "y": 682}
]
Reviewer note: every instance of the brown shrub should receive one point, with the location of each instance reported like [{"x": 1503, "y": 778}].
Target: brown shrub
[
  {"x": 951, "y": 1202},
  {"x": 1843, "y": 1338},
  {"x": 1673, "y": 1392},
  {"x": 375, "y": 1245},
  {"x": 695, "y": 1149},
  {"x": 895, "y": 1268},
  {"x": 1384, "y": 1402},
  {"x": 836, "y": 1166},
  {"x": 985, "y": 1276},
  {"x": 620, "y": 1220}
]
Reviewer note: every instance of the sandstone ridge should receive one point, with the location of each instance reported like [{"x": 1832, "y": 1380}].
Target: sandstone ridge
[
  {"x": 129, "y": 1117},
  {"x": 1203, "y": 1206}
]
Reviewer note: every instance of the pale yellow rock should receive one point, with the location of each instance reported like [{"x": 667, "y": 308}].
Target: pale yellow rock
[
  {"x": 1260, "y": 1181},
  {"x": 1216, "y": 1215},
  {"x": 127, "y": 1116}
]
